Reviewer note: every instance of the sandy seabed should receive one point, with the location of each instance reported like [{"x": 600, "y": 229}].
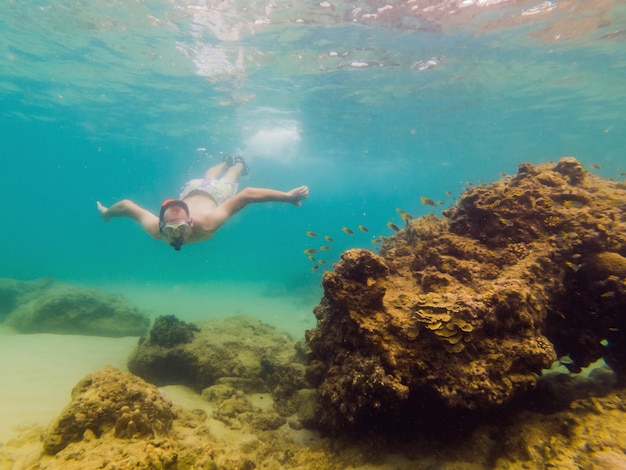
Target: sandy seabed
[{"x": 37, "y": 373}]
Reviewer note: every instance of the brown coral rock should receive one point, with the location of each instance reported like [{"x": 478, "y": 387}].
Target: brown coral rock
[
  {"x": 463, "y": 313},
  {"x": 110, "y": 401}
]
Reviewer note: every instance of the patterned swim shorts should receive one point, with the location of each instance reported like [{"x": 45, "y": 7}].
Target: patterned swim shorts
[{"x": 220, "y": 190}]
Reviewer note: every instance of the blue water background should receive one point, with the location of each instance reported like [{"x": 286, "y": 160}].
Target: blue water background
[{"x": 105, "y": 101}]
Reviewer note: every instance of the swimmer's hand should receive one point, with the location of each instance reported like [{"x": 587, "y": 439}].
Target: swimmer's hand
[{"x": 296, "y": 195}]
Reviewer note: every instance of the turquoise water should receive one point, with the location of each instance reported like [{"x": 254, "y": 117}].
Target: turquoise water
[{"x": 104, "y": 100}]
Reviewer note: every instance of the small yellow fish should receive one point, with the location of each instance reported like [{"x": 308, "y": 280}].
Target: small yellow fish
[
  {"x": 312, "y": 258},
  {"x": 376, "y": 240},
  {"x": 328, "y": 239},
  {"x": 573, "y": 266},
  {"x": 405, "y": 215},
  {"x": 572, "y": 204},
  {"x": 310, "y": 251},
  {"x": 427, "y": 201},
  {"x": 595, "y": 166},
  {"x": 325, "y": 248},
  {"x": 315, "y": 268},
  {"x": 505, "y": 222},
  {"x": 448, "y": 193},
  {"x": 347, "y": 230},
  {"x": 393, "y": 226},
  {"x": 322, "y": 261},
  {"x": 311, "y": 234},
  {"x": 362, "y": 228}
]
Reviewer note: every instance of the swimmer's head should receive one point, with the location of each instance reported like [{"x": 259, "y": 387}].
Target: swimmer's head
[{"x": 174, "y": 222}]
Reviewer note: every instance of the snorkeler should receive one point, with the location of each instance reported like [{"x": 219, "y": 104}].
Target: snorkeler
[{"x": 204, "y": 205}]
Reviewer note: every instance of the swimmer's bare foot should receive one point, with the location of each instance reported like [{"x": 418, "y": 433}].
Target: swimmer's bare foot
[
  {"x": 296, "y": 195},
  {"x": 103, "y": 211},
  {"x": 245, "y": 169},
  {"x": 228, "y": 160}
]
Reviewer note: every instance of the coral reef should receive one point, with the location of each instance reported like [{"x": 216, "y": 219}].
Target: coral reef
[
  {"x": 462, "y": 313},
  {"x": 47, "y": 306},
  {"x": 240, "y": 352},
  {"x": 456, "y": 317},
  {"x": 226, "y": 430},
  {"x": 117, "y": 420}
]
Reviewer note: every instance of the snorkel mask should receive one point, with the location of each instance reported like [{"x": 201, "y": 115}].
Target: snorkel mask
[{"x": 175, "y": 230}]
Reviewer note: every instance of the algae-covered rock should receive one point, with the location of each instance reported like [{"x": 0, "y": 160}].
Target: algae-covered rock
[
  {"x": 587, "y": 433},
  {"x": 240, "y": 352},
  {"x": 117, "y": 420},
  {"x": 589, "y": 322},
  {"x": 169, "y": 331},
  {"x": 46, "y": 306},
  {"x": 462, "y": 313},
  {"x": 110, "y": 401},
  {"x": 8, "y": 297}
]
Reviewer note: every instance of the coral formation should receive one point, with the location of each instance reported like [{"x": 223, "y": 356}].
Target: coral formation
[
  {"x": 47, "y": 306},
  {"x": 110, "y": 401},
  {"x": 235, "y": 410},
  {"x": 464, "y": 312},
  {"x": 169, "y": 331},
  {"x": 239, "y": 351},
  {"x": 586, "y": 433}
]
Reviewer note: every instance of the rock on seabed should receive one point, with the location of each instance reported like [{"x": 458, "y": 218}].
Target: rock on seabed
[
  {"x": 238, "y": 351},
  {"x": 462, "y": 313},
  {"x": 48, "y": 306}
]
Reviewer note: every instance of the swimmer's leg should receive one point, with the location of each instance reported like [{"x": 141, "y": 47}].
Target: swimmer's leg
[
  {"x": 239, "y": 168},
  {"x": 215, "y": 171}
]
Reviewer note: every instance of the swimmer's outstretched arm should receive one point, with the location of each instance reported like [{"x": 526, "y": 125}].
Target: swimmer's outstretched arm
[
  {"x": 254, "y": 195},
  {"x": 127, "y": 208},
  {"x": 251, "y": 196}
]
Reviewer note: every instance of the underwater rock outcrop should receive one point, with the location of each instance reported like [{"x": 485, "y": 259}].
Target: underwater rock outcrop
[
  {"x": 464, "y": 312},
  {"x": 117, "y": 420},
  {"x": 240, "y": 352},
  {"x": 169, "y": 331},
  {"x": 47, "y": 306},
  {"x": 110, "y": 401},
  {"x": 587, "y": 433}
]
